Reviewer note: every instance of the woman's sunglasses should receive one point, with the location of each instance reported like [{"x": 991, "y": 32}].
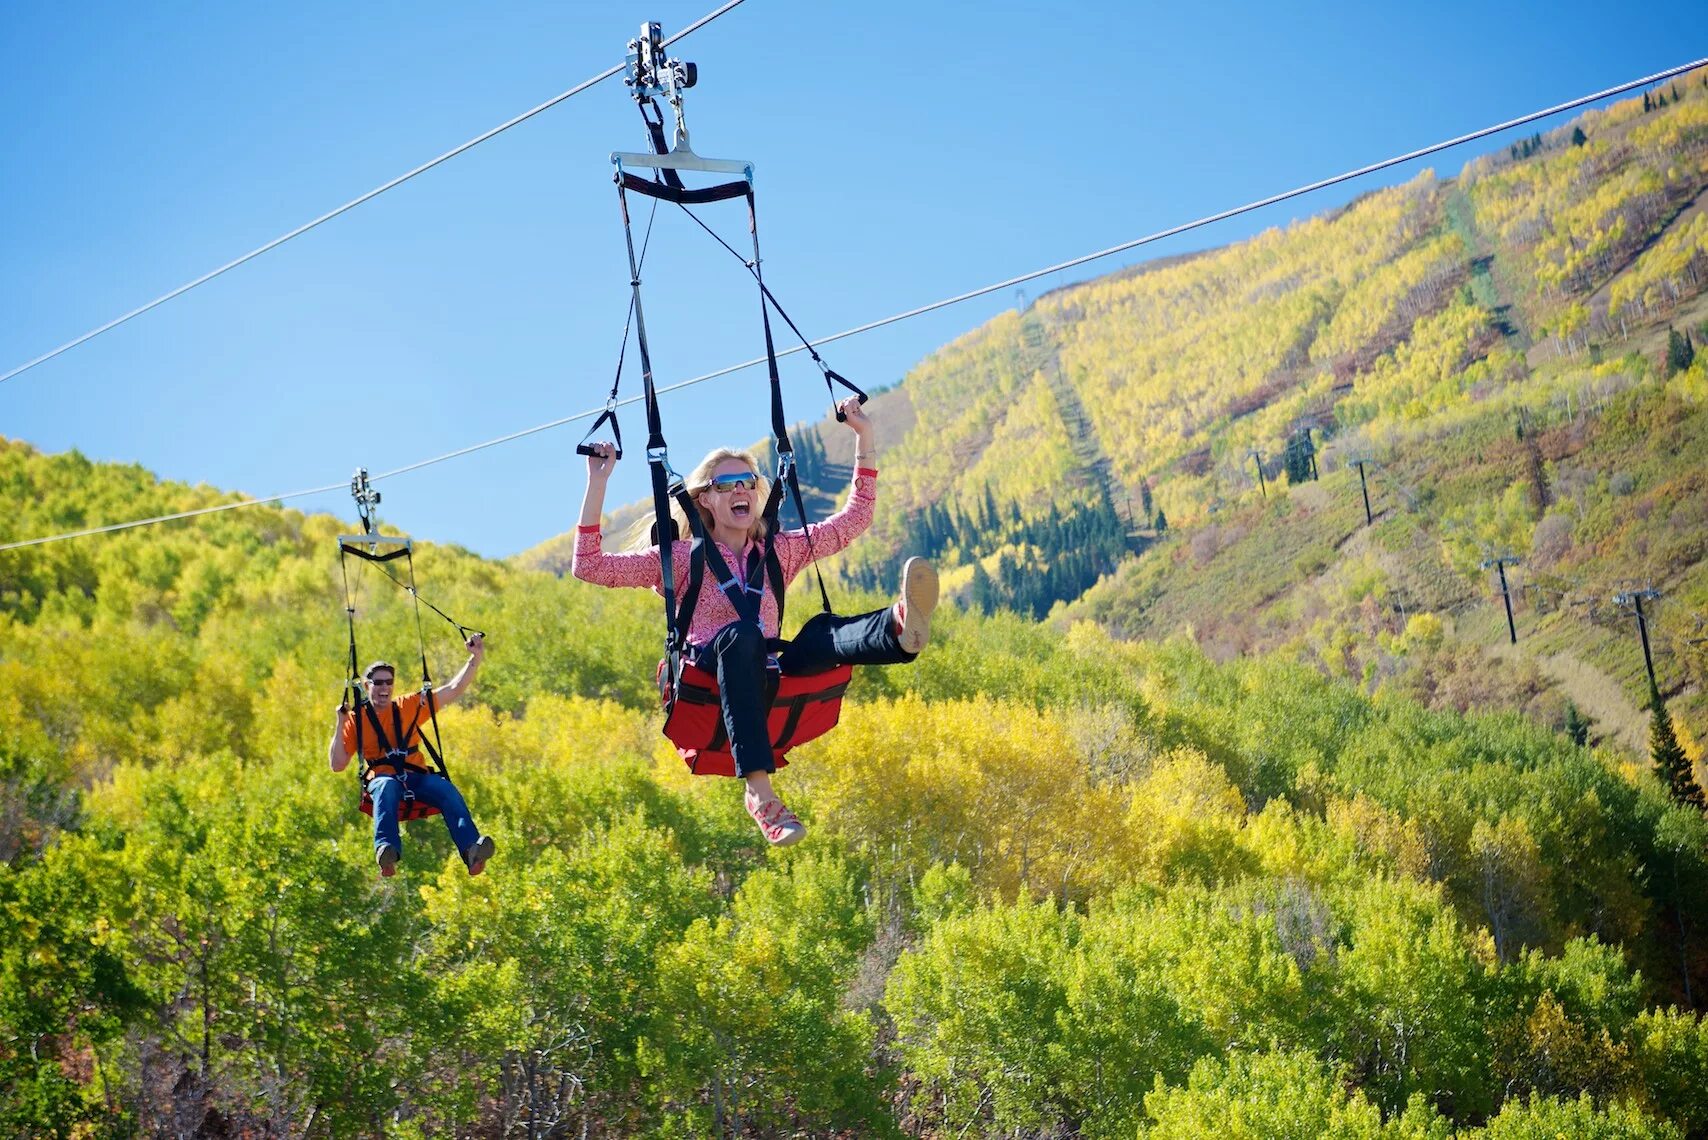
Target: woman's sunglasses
[{"x": 733, "y": 482}]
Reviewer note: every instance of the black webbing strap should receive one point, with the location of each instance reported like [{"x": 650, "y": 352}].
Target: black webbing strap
[
  {"x": 780, "y": 428},
  {"x": 657, "y": 457},
  {"x": 773, "y": 567},
  {"x": 744, "y": 596},
  {"x": 655, "y": 134},
  {"x": 696, "y": 562},
  {"x": 463, "y": 630},
  {"x": 682, "y": 195},
  {"x": 437, "y": 753},
  {"x": 353, "y": 695},
  {"x": 371, "y": 556},
  {"x": 609, "y": 415},
  {"x": 831, "y": 376}
]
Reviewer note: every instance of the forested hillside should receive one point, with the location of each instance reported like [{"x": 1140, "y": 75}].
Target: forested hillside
[
  {"x": 1510, "y": 352},
  {"x": 1260, "y": 831},
  {"x": 1057, "y": 883}
]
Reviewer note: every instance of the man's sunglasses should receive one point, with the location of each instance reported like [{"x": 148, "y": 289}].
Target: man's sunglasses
[
  {"x": 733, "y": 482},
  {"x": 379, "y": 680}
]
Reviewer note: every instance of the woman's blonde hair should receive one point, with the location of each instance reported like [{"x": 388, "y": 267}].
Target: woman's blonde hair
[{"x": 697, "y": 481}]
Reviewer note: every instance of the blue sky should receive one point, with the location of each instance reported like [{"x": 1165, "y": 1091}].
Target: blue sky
[{"x": 903, "y": 153}]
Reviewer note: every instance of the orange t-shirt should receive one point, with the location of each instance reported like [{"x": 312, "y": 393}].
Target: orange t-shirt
[{"x": 412, "y": 710}]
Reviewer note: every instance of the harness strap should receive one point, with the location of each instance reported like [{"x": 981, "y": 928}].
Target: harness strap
[
  {"x": 657, "y": 452},
  {"x": 683, "y": 196},
  {"x": 742, "y": 595},
  {"x": 609, "y": 415},
  {"x": 655, "y": 133},
  {"x": 426, "y": 683},
  {"x": 779, "y": 424}
]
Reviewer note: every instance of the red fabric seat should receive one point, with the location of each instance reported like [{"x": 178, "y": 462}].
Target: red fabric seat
[{"x": 803, "y": 707}]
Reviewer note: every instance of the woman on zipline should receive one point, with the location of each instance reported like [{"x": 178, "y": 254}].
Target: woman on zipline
[{"x": 730, "y": 495}]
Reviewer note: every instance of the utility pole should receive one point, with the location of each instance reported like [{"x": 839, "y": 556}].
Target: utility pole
[
  {"x": 1631, "y": 601},
  {"x": 1500, "y": 564},
  {"x": 1359, "y": 462},
  {"x": 1261, "y": 485}
]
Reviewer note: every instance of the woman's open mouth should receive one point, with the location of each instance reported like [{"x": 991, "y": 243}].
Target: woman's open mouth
[{"x": 741, "y": 510}]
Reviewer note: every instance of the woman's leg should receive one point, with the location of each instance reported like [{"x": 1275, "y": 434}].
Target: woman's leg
[
  {"x": 874, "y": 638},
  {"x": 736, "y": 656}
]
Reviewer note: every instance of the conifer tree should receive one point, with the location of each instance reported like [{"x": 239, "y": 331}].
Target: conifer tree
[
  {"x": 982, "y": 593},
  {"x": 1669, "y": 756},
  {"x": 1161, "y": 521},
  {"x": 1578, "y": 137},
  {"x": 1680, "y": 352},
  {"x": 1648, "y": 104},
  {"x": 1577, "y": 725}
]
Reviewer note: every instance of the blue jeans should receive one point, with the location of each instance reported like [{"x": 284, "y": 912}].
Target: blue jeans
[{"x": 387, "y": 793}]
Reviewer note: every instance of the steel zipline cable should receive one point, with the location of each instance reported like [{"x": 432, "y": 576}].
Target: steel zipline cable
[
  {"x": 354, "y": 202},
  {"x": 1208, "y": 219}
]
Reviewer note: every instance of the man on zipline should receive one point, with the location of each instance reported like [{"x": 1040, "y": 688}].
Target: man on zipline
[{"x": 391, "y": 747}]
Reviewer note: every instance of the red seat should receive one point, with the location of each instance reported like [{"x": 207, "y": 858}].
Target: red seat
[{"x": 803, "y": 707}]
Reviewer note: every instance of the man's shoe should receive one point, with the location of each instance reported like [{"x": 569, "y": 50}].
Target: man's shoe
[
  {"x": 386, "y": 856},
  {"x": 477, "y": 855},
  {"x": 918, "y": 600},
  {"x": 780, "y": 826}
]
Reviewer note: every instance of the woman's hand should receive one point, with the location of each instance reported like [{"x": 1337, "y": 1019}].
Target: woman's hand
[
  {"x": 855, "y": 413},
  {"x": 599, "y": 465}
]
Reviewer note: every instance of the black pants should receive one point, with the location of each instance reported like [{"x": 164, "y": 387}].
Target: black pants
[{"x": 737, "y": 653}]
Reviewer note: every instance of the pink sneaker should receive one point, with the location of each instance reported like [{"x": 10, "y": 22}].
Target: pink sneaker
[
  {"x": 780, "y": 826},
  {"x": 918, "y": 600}
]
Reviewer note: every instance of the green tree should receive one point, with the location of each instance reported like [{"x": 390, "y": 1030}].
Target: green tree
[
  {"x": 1577, "y": 725},
  {"x": 1161, "y": 521},
  {"x": 1406, "y": 990},
  {"x": 65, "y": 996},
  {"x": 1671, "y": 1055},
  {"x": 750, "y": 1027},
  {"x": 1669, "y": 756},
  {"x": 978, "y": 1007},
  {"x": 556, "y": 973},
  {"x": 1547, "y": 1118},
  {"x": 1578, "y": 137},
  {"x": 1680, "y": 352},
  {"x": 1278, "y": 1096}
]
